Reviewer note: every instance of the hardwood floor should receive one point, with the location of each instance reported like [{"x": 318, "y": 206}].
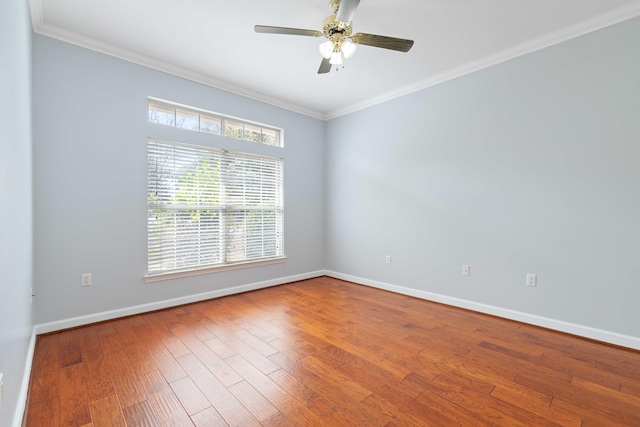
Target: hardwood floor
[{"x": 327, "y": 352}]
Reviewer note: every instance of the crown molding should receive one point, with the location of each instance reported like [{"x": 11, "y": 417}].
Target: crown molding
[
  {"x": 35, "y": 12},
  {"x": 54, "y": 32},
  {"x": 598, "y": 22}
]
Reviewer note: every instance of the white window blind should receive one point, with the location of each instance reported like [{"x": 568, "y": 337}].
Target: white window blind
[{"x": 209, "y": 207}]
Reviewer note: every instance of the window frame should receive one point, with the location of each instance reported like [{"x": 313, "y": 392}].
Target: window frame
[
  {"x": 218, "y": 267},
  {"x": 174, "y": 109}
]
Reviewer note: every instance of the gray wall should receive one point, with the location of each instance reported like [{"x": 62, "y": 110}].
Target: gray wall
[
  {"x": 90, "y": 131},
  {"x": 530, "y": 166},
  {"x": 15, "y": 200},
  {"x": 525, "y": 167}
]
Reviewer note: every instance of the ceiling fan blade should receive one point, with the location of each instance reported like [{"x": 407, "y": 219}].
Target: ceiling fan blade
[
  {"x": 325, "y": 66},
  {"x": 285, "y": 30},
  {"x": 402, "y": 45},
  {"x": 346, "y": 10}
]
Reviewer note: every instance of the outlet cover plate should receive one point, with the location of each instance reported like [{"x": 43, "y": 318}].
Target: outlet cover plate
[
  {"x": 466, "y": 270},
  {"x": 532, "y": 280},
  {"x": 86, "y": 279}
]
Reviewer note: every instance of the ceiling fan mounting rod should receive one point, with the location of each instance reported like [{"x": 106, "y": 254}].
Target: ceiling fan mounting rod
[{"x": 334, "y": 5}]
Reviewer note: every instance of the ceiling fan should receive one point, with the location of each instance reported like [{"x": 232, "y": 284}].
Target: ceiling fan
[{"x": 341, "y": 42}]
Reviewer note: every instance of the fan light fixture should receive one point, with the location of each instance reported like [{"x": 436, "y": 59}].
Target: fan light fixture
[
  {"x": 337, "y": 52},
  {"x": 339, "y": 45}
]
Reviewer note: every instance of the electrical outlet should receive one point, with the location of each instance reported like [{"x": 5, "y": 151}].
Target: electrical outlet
[
  {"x": 466, "y": 270},
  {"x": 388, "y": 260},
  {"x": 532, "y": 280},
  {"x": 86, "y": 279}
]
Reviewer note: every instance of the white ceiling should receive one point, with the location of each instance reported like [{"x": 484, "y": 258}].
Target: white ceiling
[{"x": 213, "y": 41}]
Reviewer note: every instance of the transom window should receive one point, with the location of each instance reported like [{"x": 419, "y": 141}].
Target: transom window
[
  {"x": 209, "y": 207},
  {"x": 191, "y": 118}
]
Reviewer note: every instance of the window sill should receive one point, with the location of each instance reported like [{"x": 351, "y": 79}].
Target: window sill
[{"x": 150, "y": 278}]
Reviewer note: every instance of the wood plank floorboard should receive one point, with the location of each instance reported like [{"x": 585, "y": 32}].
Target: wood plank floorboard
[{"x": 324, "y": 352}]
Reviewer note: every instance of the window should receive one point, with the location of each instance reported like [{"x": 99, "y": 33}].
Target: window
[
  {"x": 180, "y": 116},
  {"x": 209, "y": 208}
]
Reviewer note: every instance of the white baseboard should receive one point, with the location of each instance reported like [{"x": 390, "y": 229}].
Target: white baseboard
[
  {"x": 137, "y": 309},
  {"x": 26, "y": 377},
  {"x": 557, "y": 325}
]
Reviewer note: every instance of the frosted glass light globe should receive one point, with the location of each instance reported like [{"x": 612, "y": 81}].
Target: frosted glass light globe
[
  {"x": 326, "y": 49},
  {"x": 348, "y": 48},
  {"x": 336, "y": 58}
]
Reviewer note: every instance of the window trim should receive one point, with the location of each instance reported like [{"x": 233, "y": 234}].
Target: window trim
[{"x": 197, "y": 271}]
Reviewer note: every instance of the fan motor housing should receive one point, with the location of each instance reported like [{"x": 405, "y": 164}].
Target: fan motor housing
[{"x": 332, "y": 26}]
